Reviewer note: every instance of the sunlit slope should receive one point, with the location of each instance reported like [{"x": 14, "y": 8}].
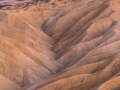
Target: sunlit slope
[{"x": 61, "y": 45}]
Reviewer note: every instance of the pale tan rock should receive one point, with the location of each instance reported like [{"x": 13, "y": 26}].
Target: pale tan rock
[{"x": 60, "y": 45}]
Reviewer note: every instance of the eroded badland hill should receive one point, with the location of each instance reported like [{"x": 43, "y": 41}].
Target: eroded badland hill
[{"x": 60, "y": 45}]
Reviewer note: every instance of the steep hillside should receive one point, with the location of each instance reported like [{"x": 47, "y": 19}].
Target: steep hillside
[{"x": 60, "y": 45}]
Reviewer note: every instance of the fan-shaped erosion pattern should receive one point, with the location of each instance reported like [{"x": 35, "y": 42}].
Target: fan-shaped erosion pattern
[{"x": 60, "y": 45}]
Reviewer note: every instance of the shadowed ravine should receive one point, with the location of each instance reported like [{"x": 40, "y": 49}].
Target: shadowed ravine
[{"x": 60, "y": 45}]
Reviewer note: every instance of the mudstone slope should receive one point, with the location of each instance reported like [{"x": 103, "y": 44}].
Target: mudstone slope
[{"x": 60, "y": 45}]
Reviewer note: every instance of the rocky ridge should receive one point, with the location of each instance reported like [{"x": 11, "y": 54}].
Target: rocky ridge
[{"x": 60, "y": 45}]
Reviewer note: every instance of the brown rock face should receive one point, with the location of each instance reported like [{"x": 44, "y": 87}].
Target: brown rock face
[{"x": 60, "y": 45}]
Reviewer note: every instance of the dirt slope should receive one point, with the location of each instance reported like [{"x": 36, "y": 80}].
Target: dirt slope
[{"x": 60, "y": 45}]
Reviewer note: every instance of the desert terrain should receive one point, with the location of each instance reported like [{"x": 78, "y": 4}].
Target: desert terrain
[{"x": 60, "y": 45}]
